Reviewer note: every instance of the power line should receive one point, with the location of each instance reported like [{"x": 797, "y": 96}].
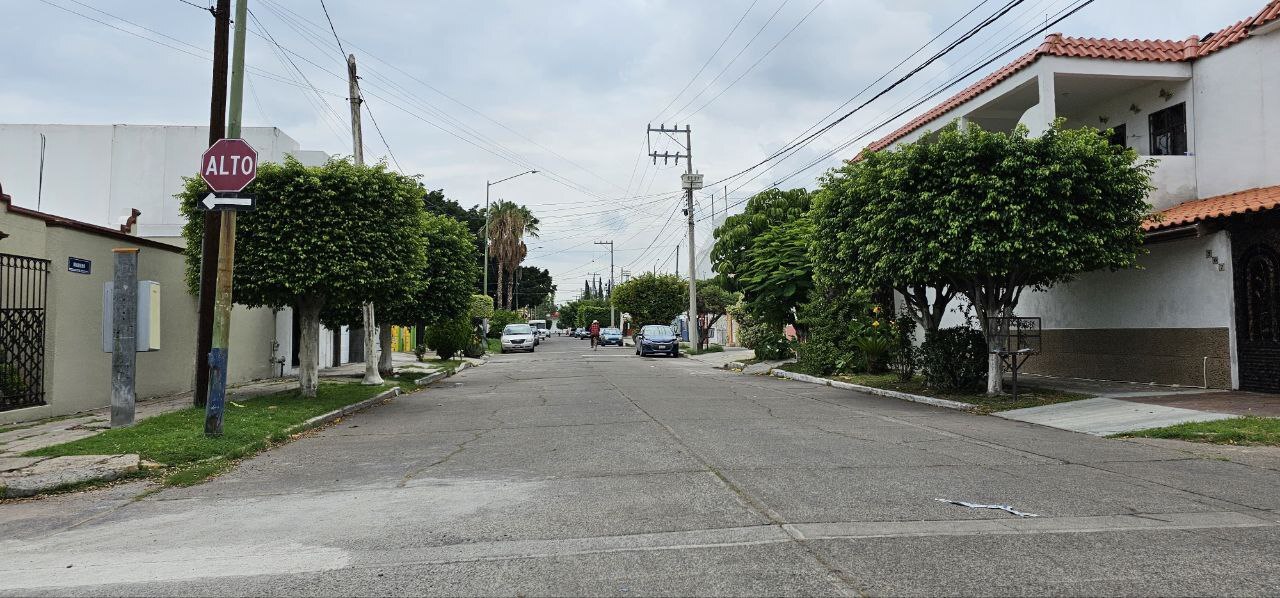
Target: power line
[
  {"x": 1062, "y": 15},
  {"x": 334, "y": 30},
  {"x": 757, "y": 62},
  {"x": 706, "y": 63}
]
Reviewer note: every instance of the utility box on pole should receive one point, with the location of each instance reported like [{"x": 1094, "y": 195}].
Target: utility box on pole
[{"x": 148, "y": 326}]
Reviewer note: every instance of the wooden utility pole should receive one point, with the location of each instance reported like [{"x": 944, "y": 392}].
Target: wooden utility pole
[
  {"x": 212, "y": 220},
  {"x": 218, "y": 358},
  {"x": 372, "y": 348}
]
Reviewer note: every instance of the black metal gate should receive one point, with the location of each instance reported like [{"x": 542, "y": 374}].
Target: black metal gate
[{"x": 24, "y": 285}]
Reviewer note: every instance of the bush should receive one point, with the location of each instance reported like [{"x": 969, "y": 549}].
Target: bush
[
  {"x": 500, "y": 319},
  {"x": 955, "y": 359},
  {"x": 477, "y": 347},
  {"x": 906, "y": 357},
  {"x": 481, "y": 306},
  {"x": 767, "y": 341},
  {"x": 450, "y": 337},
  {"x": 822, "y": 356}
]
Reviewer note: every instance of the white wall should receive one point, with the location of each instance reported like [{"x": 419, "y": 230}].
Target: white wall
[
  {"x": 1237, "y": 117},
  {"x": 1177, "y": 286},
  {"x": 99, "y": 173}
]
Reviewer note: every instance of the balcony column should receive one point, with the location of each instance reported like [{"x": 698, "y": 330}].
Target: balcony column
[{"x": 1040, "y": 117}]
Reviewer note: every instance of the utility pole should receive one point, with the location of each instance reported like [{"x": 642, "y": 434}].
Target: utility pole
[
  {"x": 212, "y": 219},
  {"x": 677, "y": 261},
  {"x": 372, "y": 347},
  {"x": 218, "y": 357},
  {"x": 611, "y": 308},
  {"x": 690, "y": 182}
]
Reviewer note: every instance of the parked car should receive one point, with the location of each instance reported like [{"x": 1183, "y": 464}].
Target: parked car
[
  {"x": 518, "y": 337},
  {"x": 580, "y": 333},
  {"x": 657, "y": 338},
  {"x": 611, "y": 336},
  {"x": 540, "y": 328}
]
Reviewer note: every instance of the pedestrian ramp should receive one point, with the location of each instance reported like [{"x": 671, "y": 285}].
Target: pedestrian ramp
[{"x": 1104, "y": 417}]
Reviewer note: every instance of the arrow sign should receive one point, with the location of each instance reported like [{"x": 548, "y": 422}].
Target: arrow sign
[{"x": 227, "y": 201}]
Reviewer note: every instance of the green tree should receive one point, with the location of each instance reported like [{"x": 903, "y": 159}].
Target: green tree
[
  {"x": 440, "y": 290},
  {"x": 533, "y": 286},
  {"x": 764, "y": 254},
  {"x": 713, "y": 303},
  {"x": 991, "y": 214},
  {"x": 651, "y": 299},
  {"x": 509, "y": 224},
  {"x": 320, "y": 235}
]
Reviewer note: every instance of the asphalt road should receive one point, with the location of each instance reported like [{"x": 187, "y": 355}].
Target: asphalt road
[{"x": 572, "y": 472}]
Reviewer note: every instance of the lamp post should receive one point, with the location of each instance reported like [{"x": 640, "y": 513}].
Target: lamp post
[{"x": 487, "y": 185}]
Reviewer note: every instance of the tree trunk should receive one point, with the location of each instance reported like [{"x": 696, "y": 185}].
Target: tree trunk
[
  {"x": 309, "y": 340},
  {"x": 498, "y": 291},
  {"x": 385, "y": 367},
  {"x": 371, "y": 351}
]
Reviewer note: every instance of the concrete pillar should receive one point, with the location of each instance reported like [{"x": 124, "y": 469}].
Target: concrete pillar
[{"x": 124, "y": 336}]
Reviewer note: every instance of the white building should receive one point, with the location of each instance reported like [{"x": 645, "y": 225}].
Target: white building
[
  {"x": 1205, "y": 307},
  {"x": 103, "y": 174}
]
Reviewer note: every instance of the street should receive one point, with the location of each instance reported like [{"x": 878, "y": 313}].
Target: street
[{"x": 572, "y": 472}]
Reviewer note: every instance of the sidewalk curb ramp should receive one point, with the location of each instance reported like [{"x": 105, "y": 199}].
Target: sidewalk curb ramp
[{"x": 893, "y": 394}]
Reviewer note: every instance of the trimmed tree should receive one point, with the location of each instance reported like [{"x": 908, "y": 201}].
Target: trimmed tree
[
  {"x": 651, "y": 299},
  {"x": 991, "y": 214},
  {"x": 320, "y": 235},
  {"x": 713, "y": 302}
]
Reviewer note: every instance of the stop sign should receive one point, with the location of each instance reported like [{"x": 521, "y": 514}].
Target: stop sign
[{"x": 229, "y": 165}]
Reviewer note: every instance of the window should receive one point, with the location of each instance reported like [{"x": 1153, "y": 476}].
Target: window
[
  {"x": 1169, "y": 131},
  {"x": 1119, "y": 136}
]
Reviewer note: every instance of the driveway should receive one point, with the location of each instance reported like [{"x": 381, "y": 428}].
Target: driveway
[{"x": 573, "y": 472}]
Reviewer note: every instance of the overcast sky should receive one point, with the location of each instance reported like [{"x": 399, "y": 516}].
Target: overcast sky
[{"x": 469, "y": 91}]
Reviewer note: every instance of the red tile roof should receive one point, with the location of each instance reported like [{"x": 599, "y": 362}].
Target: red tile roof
[
  {"x": 1231, "y": 204},
  {"x": 1055, "y": 44}
]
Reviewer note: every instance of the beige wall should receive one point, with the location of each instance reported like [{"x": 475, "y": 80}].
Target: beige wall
[{"x": 77, "y": 371}]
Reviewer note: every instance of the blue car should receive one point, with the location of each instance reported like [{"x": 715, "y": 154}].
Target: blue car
[
  {"x": 611, "y": 336},
  {"x": 657, "y": 338}
]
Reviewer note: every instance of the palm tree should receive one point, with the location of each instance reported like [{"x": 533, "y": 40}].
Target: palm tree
[{"x": 508, "y": 225}]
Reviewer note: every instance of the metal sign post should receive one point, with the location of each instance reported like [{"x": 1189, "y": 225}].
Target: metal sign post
[{"x": 1015, "y": 340}]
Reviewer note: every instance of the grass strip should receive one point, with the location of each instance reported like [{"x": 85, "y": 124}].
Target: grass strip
[
  {"x": 1028, "y": 396},
  {"x": 177, "y": 438},
  {"x": 1249, "y": 430}
]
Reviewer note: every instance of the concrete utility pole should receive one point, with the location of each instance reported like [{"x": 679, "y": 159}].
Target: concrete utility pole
[
  {"x": 212, "y": 220},
  {"x": 690, "y": 182},
  {"x": 372, "y": 346},
  {"x": 124, "y": 336},
  {"x": 611, "y": 308},
  {"x": 218, "y": 357}
]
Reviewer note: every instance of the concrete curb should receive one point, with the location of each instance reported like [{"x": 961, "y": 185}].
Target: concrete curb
[
  {"x": 893, "y": 394},
  {"x": 325, "y": 418},
  {"x": 734, "y": 365},
  {"x": 440, "y": 375}
]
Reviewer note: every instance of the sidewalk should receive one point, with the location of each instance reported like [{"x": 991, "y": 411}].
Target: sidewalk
[
  {"x": 25, "y": 476},
  {"x": 719, "y": 360},
  {"x": 1119, "y": 407}
]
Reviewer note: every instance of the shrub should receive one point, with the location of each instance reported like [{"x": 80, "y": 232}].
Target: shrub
[
  {"x": 450, "y": 337},
  {"x": 500, "y": 319},
  {"x": 821, "y": 356},
  {"x": 766, "y": 340},
  {"x": 477, "y": 347},
  {"x": 875, "y": 348},
  {"x": 955, "y": 359},
  {"x": 906, "y": 357},
  {"x": 481, "y": 306},
  {"x": 420, "y": 351},
  {"x": 11, "y": 383}
]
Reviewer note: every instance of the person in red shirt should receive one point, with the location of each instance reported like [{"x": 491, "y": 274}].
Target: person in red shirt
[{"x": 595, "y": 334}]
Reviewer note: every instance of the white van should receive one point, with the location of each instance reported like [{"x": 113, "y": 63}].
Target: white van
[{"x": 540, "y": 328}]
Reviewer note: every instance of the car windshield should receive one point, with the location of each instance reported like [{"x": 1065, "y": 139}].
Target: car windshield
[
  {"x": 517, "y": 329},
  {"x": 656, "y": 330},
  {"x": 611, "y": 331}
]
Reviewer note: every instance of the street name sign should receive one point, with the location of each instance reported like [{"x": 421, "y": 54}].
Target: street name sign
[{"x": 229, "y": 165}]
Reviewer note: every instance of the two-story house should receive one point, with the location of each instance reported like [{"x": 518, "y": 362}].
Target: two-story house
[{"x": 1204, "y": 308}]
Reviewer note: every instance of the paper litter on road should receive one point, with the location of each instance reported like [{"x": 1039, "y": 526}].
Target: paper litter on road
[{"x": 978, "y": 506}]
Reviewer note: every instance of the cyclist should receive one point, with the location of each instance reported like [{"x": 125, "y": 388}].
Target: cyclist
[{"x": 595, "y": 334}]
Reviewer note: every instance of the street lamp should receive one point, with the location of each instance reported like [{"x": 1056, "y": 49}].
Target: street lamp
[{"x": 487, "y": 185}]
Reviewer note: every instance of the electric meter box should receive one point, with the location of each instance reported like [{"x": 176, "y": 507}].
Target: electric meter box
[{"x": 148, "y": 316}]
